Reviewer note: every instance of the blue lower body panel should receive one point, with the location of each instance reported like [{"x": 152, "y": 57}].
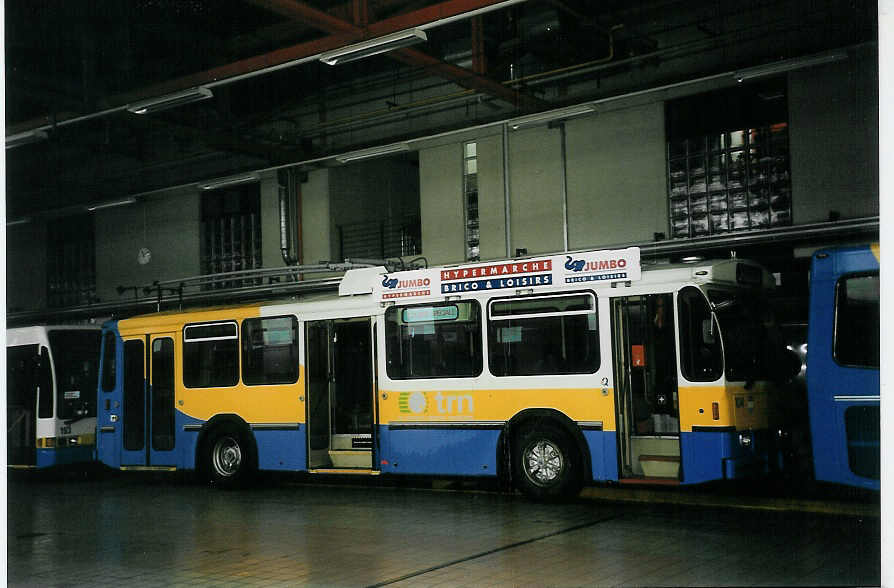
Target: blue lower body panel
[
  {"x": 282, "y": 449},
  {"x": 47, "y": 458},
  {"x": 450, "y": 451},
  {"x": 603, "y": 447},
  {"x": 710, "y": 455}
]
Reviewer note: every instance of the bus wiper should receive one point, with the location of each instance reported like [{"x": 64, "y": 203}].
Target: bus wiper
[{"x": 724, "y": 304}]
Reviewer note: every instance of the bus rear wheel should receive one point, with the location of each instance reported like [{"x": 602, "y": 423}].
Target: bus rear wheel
[
  {"x": 229, "y": 460},
  {"x": 546, "y": 463}
]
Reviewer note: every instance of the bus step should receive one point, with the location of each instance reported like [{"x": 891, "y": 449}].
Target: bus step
[
  {"x": 350, "y": 458},
  {"x": 354, "y": 471}
]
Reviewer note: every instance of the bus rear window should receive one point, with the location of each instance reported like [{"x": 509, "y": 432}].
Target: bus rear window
[
  {"x": 433, "y": 341},
  {"x": 76, "y": 354},
  {"x": 543, "y": 335},
  {"x": 857, "y": 321}
]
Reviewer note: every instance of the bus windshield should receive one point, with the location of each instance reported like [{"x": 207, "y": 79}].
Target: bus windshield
[
  {"x": 76, "y": 357},
  {"x": 752, "y": 342}
]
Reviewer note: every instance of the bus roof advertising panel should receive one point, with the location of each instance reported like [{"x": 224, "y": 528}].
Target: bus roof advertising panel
[{"x": 555, "y": 270}]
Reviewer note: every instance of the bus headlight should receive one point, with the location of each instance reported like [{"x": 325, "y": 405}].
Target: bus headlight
[{"x": 745, "y": 440}]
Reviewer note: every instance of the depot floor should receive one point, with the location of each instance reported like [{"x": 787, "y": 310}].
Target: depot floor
[{"x": 160, "y": 531}]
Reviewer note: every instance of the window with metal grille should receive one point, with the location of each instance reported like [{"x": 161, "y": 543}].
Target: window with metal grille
[
  {"x": 380, "y": 239},
  {"x": 728, "y": 161},
  {"x": 231, "y": 232},
  {"x": 470, "y": 201},
  {"x": 71, "y": 261}
]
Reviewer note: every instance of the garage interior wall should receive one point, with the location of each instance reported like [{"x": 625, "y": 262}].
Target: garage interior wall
[
  {"x": 491, "y": 198},
  {"x": 315, "y": 244},
  {"x": 168, "y": 226},
  {"x": 271, "y": 254},
  {"x": 833, "y": 115},
  {"x": 26, "y": 266},
  {"x": 441, "y": 203},
  {"x": 364, "y": 194},
  {"x": 617, "y": 192},
  {"x": 535, "y": 188}
]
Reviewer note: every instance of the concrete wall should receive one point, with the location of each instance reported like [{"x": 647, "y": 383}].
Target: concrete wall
[
  {"x": 535, "y": 185},
  {"x": 315, "y": 231},
  {"x": 26, "y": 266},
  {"x": 491, "y": 199},
  {"x": 616, "y": 187},
  {"x": 168, "y": 226},
  {"x": 833, "y": 115},
  {"x": 271, "y": 253},
  {"x": 441, "y": 204}
]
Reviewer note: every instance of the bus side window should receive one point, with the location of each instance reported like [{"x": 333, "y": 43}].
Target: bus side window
[
  {"x": 270, "y": 350},
  {"x": 857, "y": 321},
  {"x": 545, "y": 335},
  {"x": 433, "y": 341},
  {"x": 700, "y": 355},
  {"x": 210, "y": 355}
]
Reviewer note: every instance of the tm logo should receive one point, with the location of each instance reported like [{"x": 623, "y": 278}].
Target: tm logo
[
  {"x": 417, "y": 403},
  {"x": 574, "y": 265}
]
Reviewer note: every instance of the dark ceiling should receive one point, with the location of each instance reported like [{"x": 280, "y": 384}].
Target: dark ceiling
[{"x": 73, "y": 67}]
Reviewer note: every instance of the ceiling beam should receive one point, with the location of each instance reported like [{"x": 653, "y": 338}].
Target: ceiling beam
[
  {"x": 295, "y": 53},
  {"x": 413, "y": 57}
]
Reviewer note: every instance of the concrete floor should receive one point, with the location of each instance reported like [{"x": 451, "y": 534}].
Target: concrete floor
[{"x": 134, "y": 530}]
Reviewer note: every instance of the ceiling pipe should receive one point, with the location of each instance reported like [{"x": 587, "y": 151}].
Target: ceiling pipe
[{"x": 289, "y": 208}]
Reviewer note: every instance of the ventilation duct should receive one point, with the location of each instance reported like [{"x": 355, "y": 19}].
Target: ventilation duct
[{"x": 289, "y": 216}]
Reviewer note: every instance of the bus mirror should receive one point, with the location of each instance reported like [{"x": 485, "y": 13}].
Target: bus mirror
[
  {"x": 792, "y": 364},
  {"x": 708, "y": 331}
]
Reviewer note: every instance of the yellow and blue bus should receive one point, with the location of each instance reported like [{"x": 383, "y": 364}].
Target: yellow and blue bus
[
  {"x": 843, "y": 387},
  {"x": 551, "y": 372},
  {"x": 51, "y": 376}
]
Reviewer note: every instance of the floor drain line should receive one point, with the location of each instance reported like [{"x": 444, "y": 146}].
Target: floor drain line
[{"x": 492, "y": 551}]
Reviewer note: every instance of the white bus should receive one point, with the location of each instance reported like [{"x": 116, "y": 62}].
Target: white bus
[
  {"x": 553, "y": 371},
  {"x": 51, "y": 379}
]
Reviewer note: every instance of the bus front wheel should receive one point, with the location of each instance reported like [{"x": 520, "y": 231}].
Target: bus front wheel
[
  {"x": 229, "y": 460},
  {"x": 546, "y": 463}
]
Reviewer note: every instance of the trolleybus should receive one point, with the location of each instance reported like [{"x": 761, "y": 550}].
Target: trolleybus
[
  {"x": 51, "y": 395},
  {"x": 843, "y": 366},
  {"x": 551, "y": 372}
]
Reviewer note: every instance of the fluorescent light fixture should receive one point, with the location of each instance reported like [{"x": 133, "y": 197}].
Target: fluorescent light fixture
[
  {"x": 374, "y": 46},
  {"x": 374, "y": 152},
  {"x": 549, "y": 116},
  {"x": 18, "y": 221},
  {"x": 111, "y": 203},
  {"x": 170, "y": 100},
  {"x": 229, "y": 181},
  {"x": 25, "y": 138},
  {"x": 788, "y": 65}
]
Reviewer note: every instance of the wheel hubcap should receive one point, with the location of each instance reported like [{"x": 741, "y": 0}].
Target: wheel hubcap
[
  {"x": 227, "y": 456},
  {"x": 543, "y": 462}
]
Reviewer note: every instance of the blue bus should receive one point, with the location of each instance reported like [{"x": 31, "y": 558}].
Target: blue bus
[{"x": 843, "y": 385}]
